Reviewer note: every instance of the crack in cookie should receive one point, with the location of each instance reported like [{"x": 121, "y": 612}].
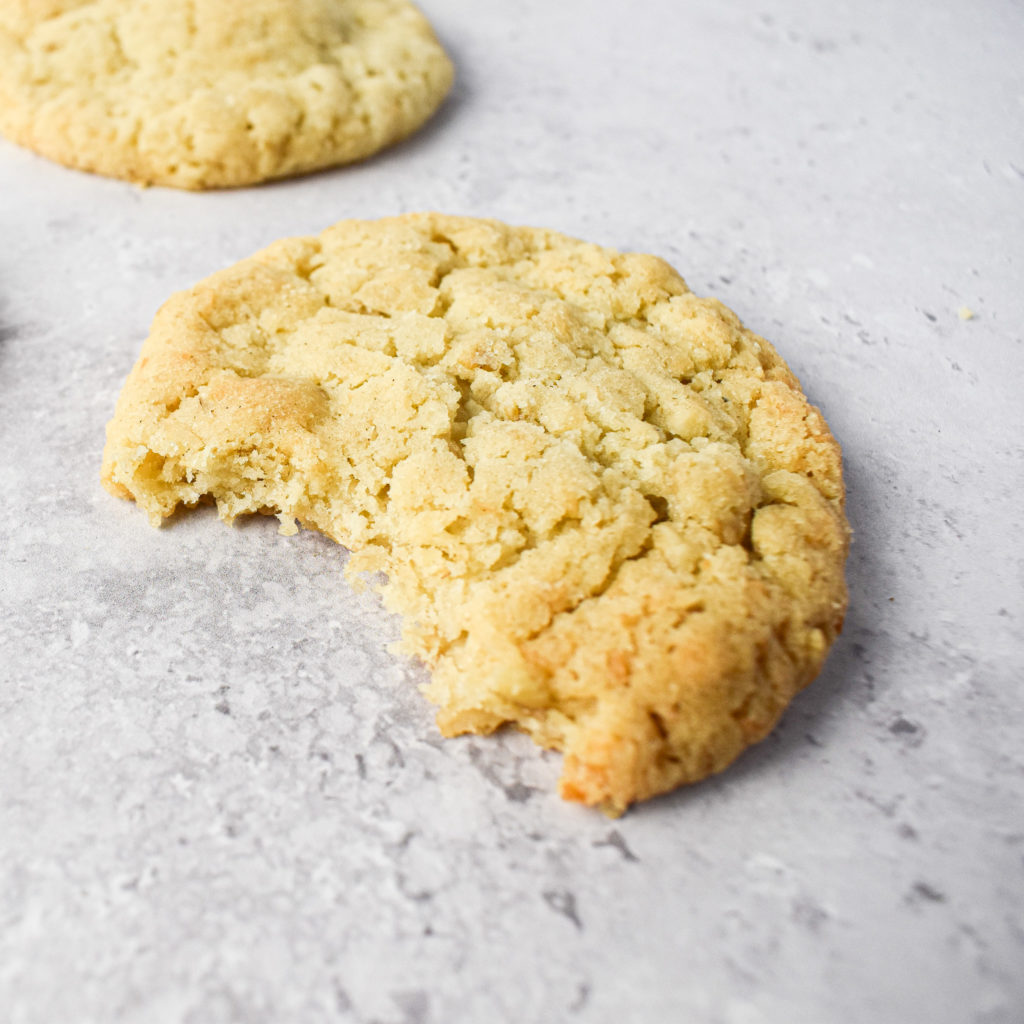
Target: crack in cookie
[{"x": 605, "y": 510}]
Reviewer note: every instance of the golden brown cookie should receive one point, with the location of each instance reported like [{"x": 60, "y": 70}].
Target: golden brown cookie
[
  {"x": 606, "y": 511},
  {"x": 211, "y": 93}
]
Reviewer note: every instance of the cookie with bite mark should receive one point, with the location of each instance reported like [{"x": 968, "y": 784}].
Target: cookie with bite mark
[{"x": 606, "y": 512}]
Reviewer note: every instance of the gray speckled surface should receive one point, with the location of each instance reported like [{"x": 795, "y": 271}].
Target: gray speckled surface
[{"x": 221, "y": 799}]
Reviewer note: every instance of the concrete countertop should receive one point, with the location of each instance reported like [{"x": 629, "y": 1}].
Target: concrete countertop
[{"x": 222, "y": 799}]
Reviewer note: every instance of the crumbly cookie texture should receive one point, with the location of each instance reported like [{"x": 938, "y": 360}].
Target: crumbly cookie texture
[
  {"x": 211, "y": 93},
  {"x": 606, "y": 511}
]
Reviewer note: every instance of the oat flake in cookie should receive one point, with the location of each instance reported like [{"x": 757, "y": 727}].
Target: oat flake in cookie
[
  {"x": 209, "y": 93},
  {"x": 606, "y": 511}
]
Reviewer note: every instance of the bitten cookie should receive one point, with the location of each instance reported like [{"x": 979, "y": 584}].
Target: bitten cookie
[
  {"x": 214, "y": 93},
  {"x": 606, "y": 511}
]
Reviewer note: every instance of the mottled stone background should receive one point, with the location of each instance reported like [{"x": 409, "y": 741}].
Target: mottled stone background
[{"x": 222, "y": 799}]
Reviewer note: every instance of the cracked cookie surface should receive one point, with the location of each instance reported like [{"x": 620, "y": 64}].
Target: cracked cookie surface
[
  {"x": 212, "y": 93},
  {"x": 606, "y": 512}
]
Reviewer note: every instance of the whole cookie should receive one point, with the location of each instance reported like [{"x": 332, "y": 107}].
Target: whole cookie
[
  {"x": 605, "y": 510},
  {"x": 211, "y": 93}
]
